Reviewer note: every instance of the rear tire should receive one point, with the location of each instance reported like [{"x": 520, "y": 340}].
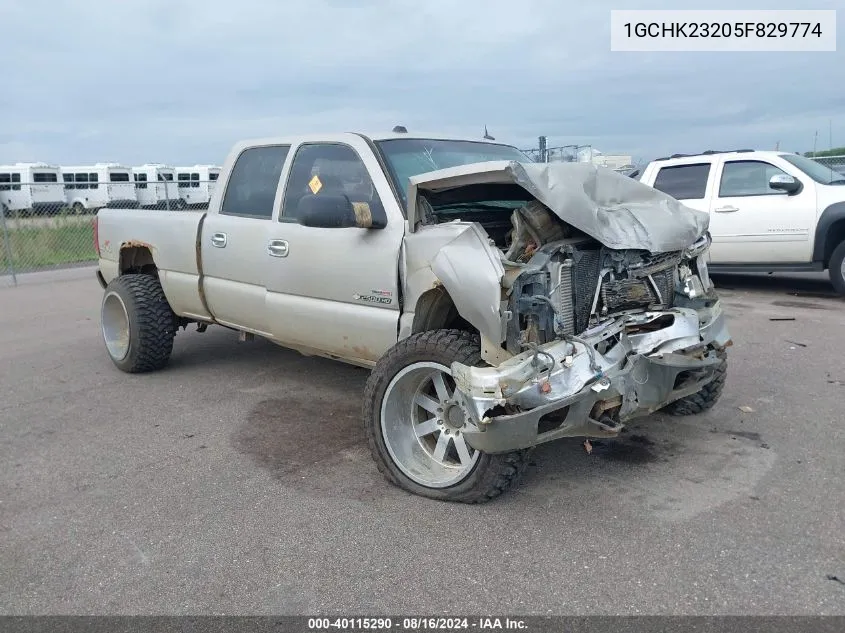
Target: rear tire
[
  {"x": 836, "y": 269},
  {"x": 701, "y": 401},
  {"x": 137, "y": 323},
  {"x": 428, "y": 457}
]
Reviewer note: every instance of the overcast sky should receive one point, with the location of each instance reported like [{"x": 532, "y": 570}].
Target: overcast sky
[{"x": 179, "y": 82}]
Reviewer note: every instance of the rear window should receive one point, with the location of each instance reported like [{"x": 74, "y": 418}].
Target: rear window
[{"x": 683, "y": 182}]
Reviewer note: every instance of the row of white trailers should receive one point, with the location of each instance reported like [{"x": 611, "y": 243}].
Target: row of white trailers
[{"x": 41, "y": 188}]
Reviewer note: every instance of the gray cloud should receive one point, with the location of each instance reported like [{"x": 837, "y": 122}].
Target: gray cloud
[{"x": 180, "y": 82}]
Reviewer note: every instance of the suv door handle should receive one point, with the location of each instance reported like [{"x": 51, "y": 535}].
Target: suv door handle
[
  {"x": 219, "y": 240},
  {"x": 726, "y": 210},
  {"x": 277, "y": 248}
]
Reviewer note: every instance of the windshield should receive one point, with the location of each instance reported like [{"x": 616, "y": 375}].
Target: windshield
[
  {"x": 815, "y": 170},
  {"x": 413, "y": 156}
]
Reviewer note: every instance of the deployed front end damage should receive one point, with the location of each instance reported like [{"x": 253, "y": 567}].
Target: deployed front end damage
[{"x": 604, "y": 309}]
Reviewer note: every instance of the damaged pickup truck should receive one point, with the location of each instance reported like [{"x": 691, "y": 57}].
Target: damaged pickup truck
[{"x": 499, "y": 303}]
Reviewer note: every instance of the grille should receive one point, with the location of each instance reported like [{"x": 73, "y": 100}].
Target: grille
[{"x": 665, "y": 282}]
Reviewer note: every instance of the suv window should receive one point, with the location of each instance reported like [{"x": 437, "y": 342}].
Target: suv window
[
  {"x": 252, "y": 186},
  {"x": 683, "y": 182},
  {"x": 748, "y": 178},
  {"x": 329, "y": 169}
]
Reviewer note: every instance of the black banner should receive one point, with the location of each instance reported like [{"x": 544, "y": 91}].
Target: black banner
[{"x": 369, "y": 624}]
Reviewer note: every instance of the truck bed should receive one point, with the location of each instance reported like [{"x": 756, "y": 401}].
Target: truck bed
[{"x": 171, "y": 236}]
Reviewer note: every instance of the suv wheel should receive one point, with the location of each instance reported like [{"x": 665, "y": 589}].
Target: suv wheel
[
  {"x": 413, "y": 422},
  {"x": 836, "y": 269}
]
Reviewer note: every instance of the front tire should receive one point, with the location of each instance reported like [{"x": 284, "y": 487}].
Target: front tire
[
  {"x": 137, "y": 323},
  {"x": 413, "y": 422},
  {"x": 703, "y": 400},
  {"x": 836, "y": 269}
]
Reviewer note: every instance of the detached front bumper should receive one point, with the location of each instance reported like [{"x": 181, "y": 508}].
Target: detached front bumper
[{"x": 570, "y": 389}]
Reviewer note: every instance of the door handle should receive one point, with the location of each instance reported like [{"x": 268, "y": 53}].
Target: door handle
[
  {"x": 726, "y": 210},
  {"x": 219, "y": 240},
  {"x": 277, "y": 248}
]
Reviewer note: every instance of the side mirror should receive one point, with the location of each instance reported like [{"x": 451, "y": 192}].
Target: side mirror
[
  {"x": 329, "y": 211},
  {"x": 784, "y": 182}
]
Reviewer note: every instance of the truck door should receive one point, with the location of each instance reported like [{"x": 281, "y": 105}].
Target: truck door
[
  {"x": 753, "y": 223},
  {"x": 335, "y": 290},
  {"x": 233, "y": 241}
]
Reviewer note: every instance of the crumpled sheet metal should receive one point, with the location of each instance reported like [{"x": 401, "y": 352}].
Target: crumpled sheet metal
[{"x": 618, "y": 211}]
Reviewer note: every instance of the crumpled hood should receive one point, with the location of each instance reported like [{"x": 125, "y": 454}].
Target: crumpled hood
[{"x": 618, "y": 211}]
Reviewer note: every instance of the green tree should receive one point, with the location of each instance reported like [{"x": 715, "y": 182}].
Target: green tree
[{"x": 836, "y": 151}]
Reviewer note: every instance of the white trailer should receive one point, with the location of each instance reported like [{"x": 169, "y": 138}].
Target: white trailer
[
  {"x": 196, "y": 184},
  {"x": 155, "y": 187},
  {"x": 92, "y": 187},
  {"x": 32, "y": 187}
]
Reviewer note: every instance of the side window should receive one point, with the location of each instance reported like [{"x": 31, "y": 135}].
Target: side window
[
  {"x": 93, "y": 178},
  {"x": 195, "y": 180},
  {"x": 748, "y": 178},
  {"x": 683, "y": 182},
  {"x": 329, "y": 169},
  {"x": 68, "y": 178},
  {"x": 184, "y": 179},
  {"x": 81, "y": 178},
  {"x": 252, "y": 184},
  {"x": 5, "y": 179},
  {"x": 140, "y": 181},
  {"x": 16, "y": 178}
]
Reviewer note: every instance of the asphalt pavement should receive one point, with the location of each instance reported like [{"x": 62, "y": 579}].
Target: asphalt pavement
[{"x": 237, "y": 481}]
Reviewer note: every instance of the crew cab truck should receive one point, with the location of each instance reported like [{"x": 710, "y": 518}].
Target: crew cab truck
[
  {"x": 769, "y": 211},
  {"x": 499, "y": 303}
]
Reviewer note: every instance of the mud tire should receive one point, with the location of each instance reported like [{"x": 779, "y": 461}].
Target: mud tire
[
  {"x": 152, "y": 323},
  {"x": 703, "y": 400}
]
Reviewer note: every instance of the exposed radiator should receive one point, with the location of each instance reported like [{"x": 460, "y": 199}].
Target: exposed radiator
[
  {"x": 586, "y": 277},
  {"x": 563, "y": 299}
]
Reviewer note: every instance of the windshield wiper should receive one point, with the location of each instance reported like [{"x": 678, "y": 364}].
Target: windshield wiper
[
  {"x": 838, "y": 181},
  {"x": 487, "y": 206}
]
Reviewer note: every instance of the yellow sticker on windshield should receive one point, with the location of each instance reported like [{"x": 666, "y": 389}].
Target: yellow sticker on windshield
[{"x": 314, "y": 184}]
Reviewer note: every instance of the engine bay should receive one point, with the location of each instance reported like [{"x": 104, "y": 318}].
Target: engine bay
[{"x": 559, "y": 282}]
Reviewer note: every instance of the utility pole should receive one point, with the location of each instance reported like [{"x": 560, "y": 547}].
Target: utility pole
[
  {"x": 777, "y": 145},
  {"x": 815, "y": 142},
  {"x": 830, "y": 132}
]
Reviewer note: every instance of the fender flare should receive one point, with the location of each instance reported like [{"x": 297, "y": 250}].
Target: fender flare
[{"x": 832, "y": 214}]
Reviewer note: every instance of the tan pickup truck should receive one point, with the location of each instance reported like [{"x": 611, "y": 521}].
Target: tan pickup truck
[{"x": 500, "y": 303}]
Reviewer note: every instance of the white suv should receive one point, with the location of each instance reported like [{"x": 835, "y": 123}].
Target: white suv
[{"x": 769, "y": 211}]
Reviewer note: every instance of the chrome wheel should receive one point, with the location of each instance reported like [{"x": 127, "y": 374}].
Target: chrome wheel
[
  {"x": 842, "y": 269},
  {"x": 422, "y": 424},
  {"x": 114, "y": 321}
]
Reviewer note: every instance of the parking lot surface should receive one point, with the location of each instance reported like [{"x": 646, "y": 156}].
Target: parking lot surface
[{"x": 238, "y": 481}]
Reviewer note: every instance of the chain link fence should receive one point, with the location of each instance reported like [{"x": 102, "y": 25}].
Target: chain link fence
[
  {"x": 836, "y": 163},
  {"x": 47, "y": 216},
  {"x": 47, "y": 222}
]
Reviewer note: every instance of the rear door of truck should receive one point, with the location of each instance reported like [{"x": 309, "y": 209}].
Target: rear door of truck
[{"x": 233, "y": 241}]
